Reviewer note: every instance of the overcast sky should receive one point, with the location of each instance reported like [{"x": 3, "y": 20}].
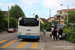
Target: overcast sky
[{"x": 39, "y": 7}]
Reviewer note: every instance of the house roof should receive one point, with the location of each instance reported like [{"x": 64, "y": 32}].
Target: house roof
[
  {"x": 4, "y": 12},
  {"x": 66, "y": 9},
  {"x": 50, "y": 18},
  {"x": 43, "y": 19}
]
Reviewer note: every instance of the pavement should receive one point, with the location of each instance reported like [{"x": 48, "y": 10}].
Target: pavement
[{"x": 50, "y": 44}]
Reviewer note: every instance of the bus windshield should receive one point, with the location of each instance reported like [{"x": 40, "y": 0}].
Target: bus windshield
[{"x": 28, "y": 22}]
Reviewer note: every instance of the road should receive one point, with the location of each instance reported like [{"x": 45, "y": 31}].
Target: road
[
  {"x": 50, "y": 44},
  {"x": 9, "y": 41}
]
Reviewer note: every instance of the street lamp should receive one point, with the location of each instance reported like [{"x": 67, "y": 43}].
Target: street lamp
[
  {"x": 67, "y": 13},
  {"x": 8, "y": 17}
]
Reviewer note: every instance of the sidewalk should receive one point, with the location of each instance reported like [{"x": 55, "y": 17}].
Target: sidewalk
[{"x": 50, "y": 44}]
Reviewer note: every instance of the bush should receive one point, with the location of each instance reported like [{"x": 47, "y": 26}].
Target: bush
[
  {"x": 73, "y": 40},
  {"x": 48, "y": 29},
  {"x": 70, "y": 34},
  {"x": 0, "y": 30}
]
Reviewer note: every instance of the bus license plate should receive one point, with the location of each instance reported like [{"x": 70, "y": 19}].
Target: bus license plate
[{"x": 28, "y": 33}]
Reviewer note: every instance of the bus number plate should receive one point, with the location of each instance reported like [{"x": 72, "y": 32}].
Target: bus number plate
[{"x": 28, "y": 33}]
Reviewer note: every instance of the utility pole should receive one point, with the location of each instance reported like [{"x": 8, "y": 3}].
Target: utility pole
[
  {"x": 67, "y": 14},
  {"x": 8, "y": 17},
  {"x": 49, "y": 14}
]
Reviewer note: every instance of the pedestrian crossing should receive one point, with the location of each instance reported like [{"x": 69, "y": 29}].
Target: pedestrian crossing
[
  {"x": 3, "y": 41},
  {"x": 21, "y": 44}
]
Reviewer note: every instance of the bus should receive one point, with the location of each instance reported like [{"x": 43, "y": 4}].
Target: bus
[{"x": 29, "y": 28}]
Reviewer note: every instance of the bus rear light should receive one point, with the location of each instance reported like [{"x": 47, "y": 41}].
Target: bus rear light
[
  {"x": 18, "y": 32},
  {"x": 39, "y": 33}
]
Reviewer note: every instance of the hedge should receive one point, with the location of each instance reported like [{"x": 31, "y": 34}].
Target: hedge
[{"x": 70, "y": 35}]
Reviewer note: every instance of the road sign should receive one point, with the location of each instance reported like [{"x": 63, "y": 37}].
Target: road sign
[{"x": 52, "y": 24}]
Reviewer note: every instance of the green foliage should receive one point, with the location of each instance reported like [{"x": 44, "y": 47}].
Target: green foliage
[
  {"x": 65, "y": 18},
  {"x": 70, "y": 34},
  {"x": 41, "y": 26},
  {"x": 72, "y": 17},
  {"x": 65, "y": 21},
  {"x": 36, "y": 16},
  {"x": 73, "y": 40},
  {"x": 1, "y": 17},
  {"x": 46, "y": 25},
  {"x": 16, "y": 11},
  {"x": 5, "y": 21},
  {"x": 65, "y": 26},
  {"x": 13, "y": 22},
  {"x": 0, "y": 31}
]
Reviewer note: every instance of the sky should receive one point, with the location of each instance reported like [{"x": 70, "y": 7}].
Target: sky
[{"x": 40, "y": 7}]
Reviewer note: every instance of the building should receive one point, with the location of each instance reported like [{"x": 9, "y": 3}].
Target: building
[
  {"x": 42, "y": 20},
  {"x": 51, "y": 19},
  {"x": 5, "y": 13},
  {"x": 61, "y": 14}
]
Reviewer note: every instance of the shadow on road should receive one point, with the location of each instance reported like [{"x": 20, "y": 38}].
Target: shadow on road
[{"x": 29, "y": 40}]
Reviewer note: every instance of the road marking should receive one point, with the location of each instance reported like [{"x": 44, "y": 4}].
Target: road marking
[
  {"x": 43, "y": 42},
  {"x": 35, "y": 45},
  {"x": 3, "y": 41},
  {"x": 8, "y": 44},
  {"x": 21, "y": 45}
]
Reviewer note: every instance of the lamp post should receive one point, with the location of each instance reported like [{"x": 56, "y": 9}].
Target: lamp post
[
  {"x": 67, "y": 14},
  {"x": 8, "y": 17},
  {"x": 49, "y": 14}
]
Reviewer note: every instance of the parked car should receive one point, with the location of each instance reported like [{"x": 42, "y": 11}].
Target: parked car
[{"x": 11, "y": 30}]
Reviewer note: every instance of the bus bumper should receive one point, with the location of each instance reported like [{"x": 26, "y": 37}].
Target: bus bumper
[{"x": 28, "y": 36}]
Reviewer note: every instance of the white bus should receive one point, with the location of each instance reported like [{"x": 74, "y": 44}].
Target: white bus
[{"x": 29, "y": 28}]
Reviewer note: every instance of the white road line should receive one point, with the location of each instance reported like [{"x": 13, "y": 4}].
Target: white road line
[{"x": 42, "y": 43}]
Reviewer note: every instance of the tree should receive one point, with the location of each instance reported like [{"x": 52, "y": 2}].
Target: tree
[
  {"x": 47, "y": 26},
  {"x": 1, "y": 17},
  {"x": 36, "y": 16},
  {"x": 5, "y": 21},
  {"x": 16, "y": 11},
  {"x": 41, "y": 26},
  {"x": 12, "y": 22},
  {"x": 71, "y": 17}
]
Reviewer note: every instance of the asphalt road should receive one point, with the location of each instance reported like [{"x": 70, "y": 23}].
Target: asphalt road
[
  {"x": 9, "y": 41},
  {"x": 50, "y": 44}
]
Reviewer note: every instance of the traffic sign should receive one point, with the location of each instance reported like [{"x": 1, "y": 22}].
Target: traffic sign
[{"x": 52, "y": 24}]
